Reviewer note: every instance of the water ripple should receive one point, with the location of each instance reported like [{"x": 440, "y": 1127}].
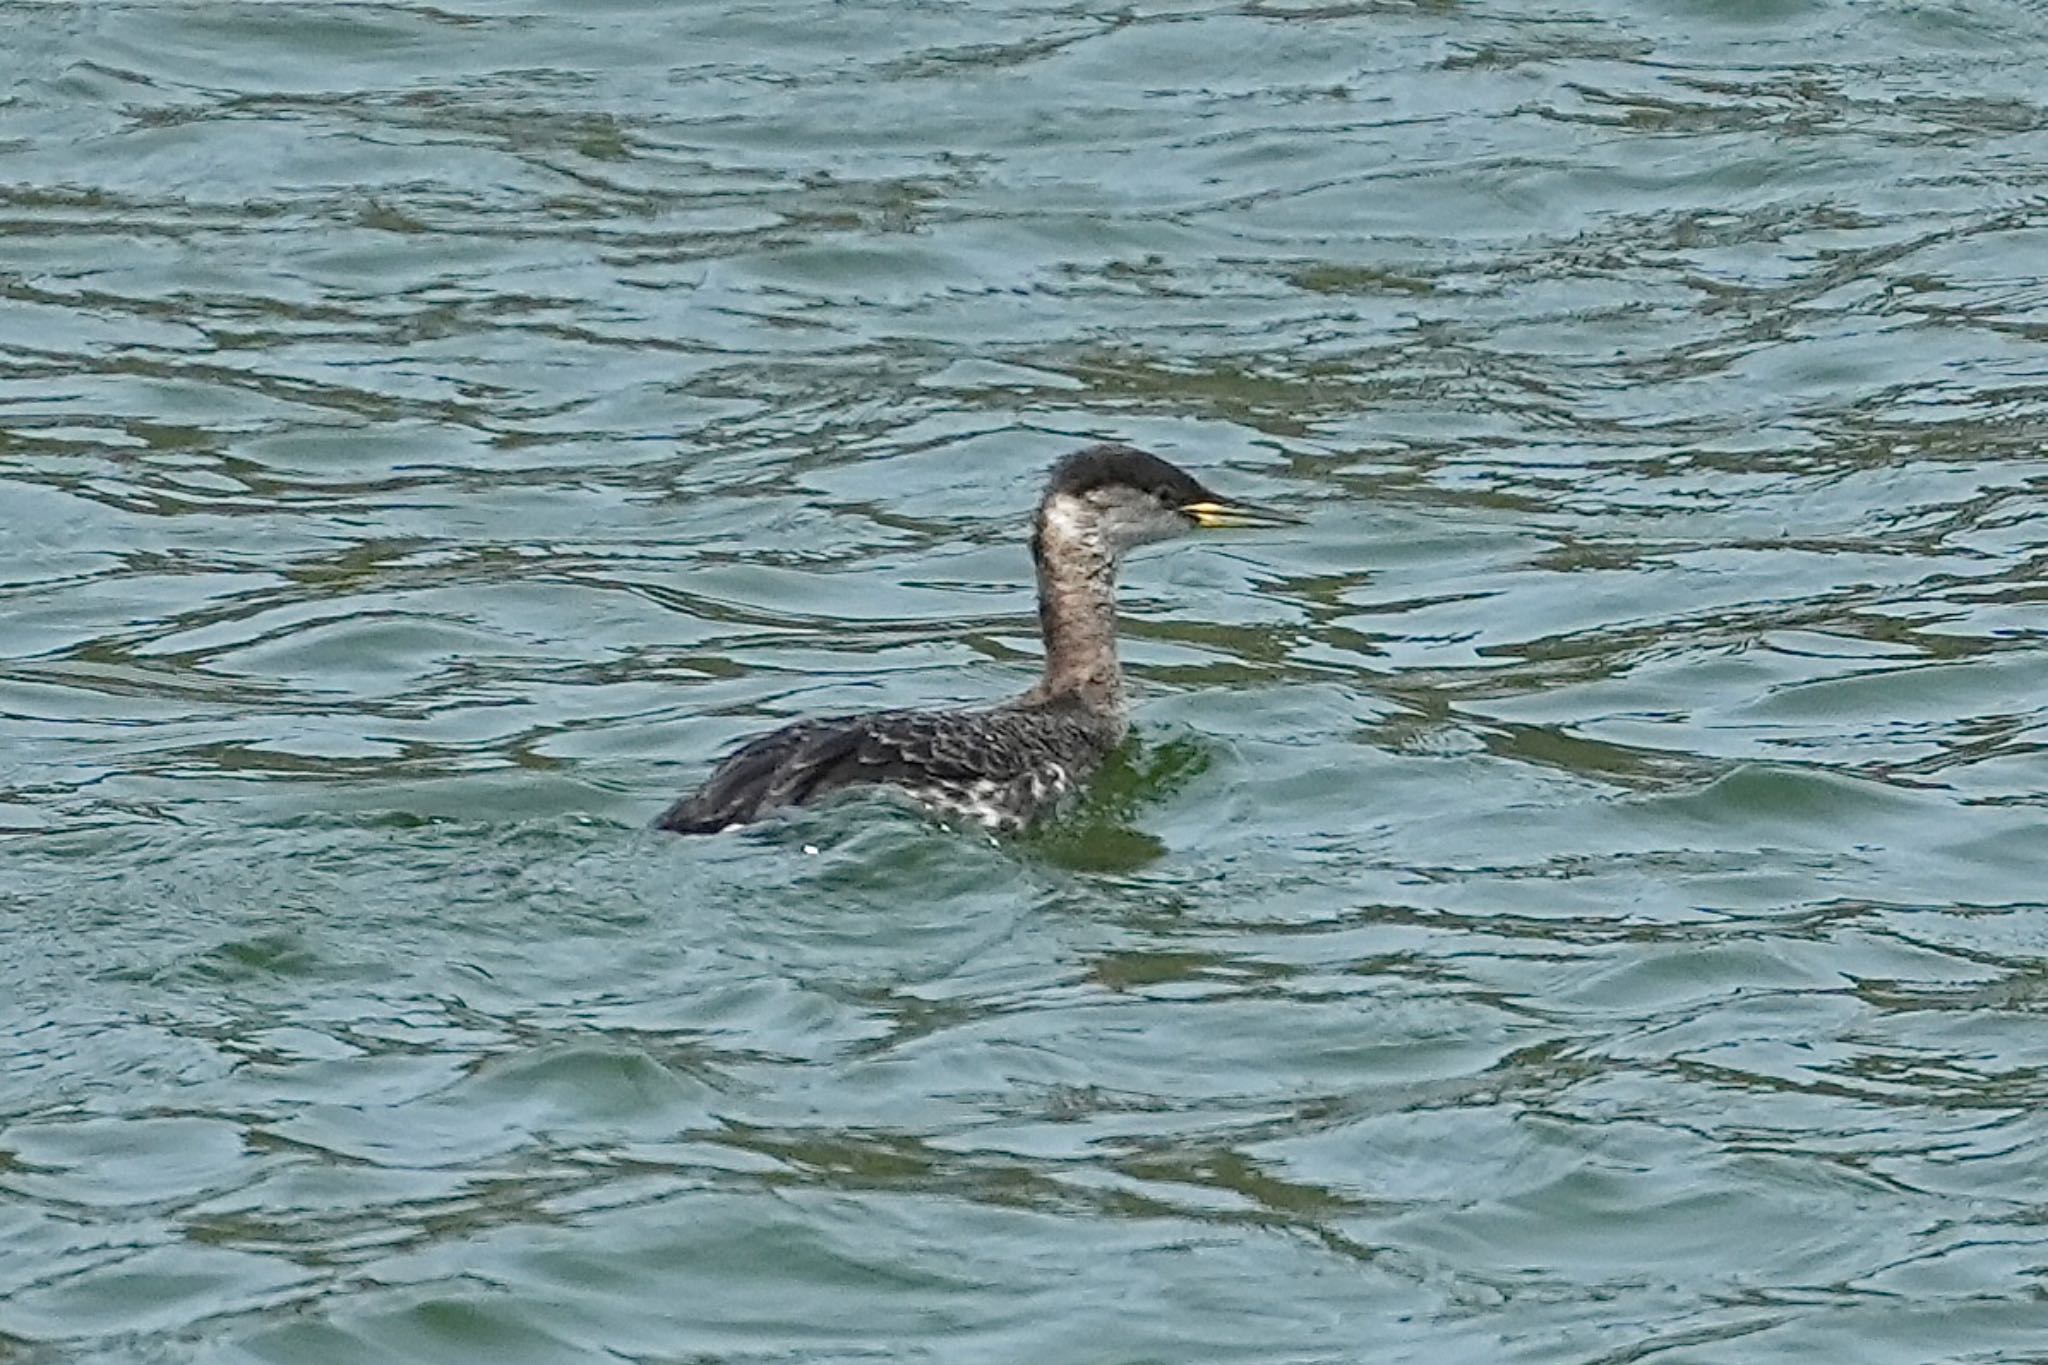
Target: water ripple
[{"x": 1578, "y": 900}]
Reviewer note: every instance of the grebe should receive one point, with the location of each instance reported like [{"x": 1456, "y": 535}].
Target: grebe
[{"x": 1000, "y": 765}]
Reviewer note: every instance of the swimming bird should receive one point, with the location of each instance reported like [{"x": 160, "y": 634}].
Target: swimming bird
[{"x": 999, "y": 765}]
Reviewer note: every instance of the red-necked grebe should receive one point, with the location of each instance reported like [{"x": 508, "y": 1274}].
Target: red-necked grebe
[{"x": 1000, "y": 765}]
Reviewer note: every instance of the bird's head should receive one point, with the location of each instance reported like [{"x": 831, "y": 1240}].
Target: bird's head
[{"x": 1111, "y": 498}]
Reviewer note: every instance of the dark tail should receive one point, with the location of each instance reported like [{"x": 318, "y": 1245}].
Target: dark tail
[{"x": 779, "y": 769}]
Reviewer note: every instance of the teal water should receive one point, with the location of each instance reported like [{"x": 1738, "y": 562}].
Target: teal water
[{"x": 1584, "y": 898}]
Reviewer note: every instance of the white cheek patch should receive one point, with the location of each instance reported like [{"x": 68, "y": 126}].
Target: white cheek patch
[{"x": 1068, "y": 520}]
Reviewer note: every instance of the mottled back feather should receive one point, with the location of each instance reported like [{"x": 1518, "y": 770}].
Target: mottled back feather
[{"x": 999, "y": 765}]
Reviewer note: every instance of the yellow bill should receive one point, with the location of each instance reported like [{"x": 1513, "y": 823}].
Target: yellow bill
[{"x": 1217, "y": 515}]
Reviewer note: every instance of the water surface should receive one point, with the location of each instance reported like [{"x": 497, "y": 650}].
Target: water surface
[{"x": 1579, "y": 900}]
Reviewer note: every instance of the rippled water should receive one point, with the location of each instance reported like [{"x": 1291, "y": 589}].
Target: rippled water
[{"x": 1581, "y": 900}]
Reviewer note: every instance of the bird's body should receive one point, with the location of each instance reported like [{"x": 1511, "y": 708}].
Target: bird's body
[{"x": 1001, "y": 766}]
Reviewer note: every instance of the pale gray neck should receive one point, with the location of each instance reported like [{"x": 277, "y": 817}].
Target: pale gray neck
[{"x": 1077, "y": 614}]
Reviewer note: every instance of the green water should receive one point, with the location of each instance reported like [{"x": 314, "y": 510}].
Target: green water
[{"x": 1584, "y": 898}]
